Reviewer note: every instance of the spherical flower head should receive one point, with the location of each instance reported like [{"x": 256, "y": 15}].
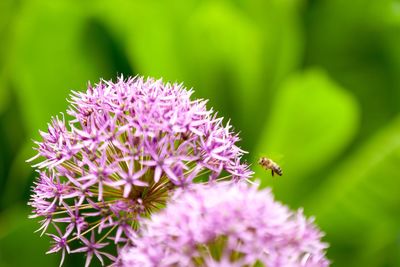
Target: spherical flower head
[
  {"x": 125, "y": 147},
  {"x": 227, "y": 225}
]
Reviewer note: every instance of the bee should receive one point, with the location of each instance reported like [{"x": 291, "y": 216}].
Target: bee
[{"x": 268, "y": 164}]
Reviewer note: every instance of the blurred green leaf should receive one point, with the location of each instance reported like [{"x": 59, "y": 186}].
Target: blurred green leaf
[
  {"x": 227, "y": 49},
  {"x": 352, "y": 40},
  {"x": 280, "y": 23},
  {"x": 312, "y": 121},
  {"x": 358, "y": 205},
  {"x": 19, "y": 246},
  {"x": 4, "y": 94},
  {"x": 146, "y": 30},
  {"x": 242, "y": 54},
  {"x": 48, "y": 55},
  {"x": 12, "y": 137},
  {"x": 19, "y": 176},
  {"x": 7, "y": 12}
]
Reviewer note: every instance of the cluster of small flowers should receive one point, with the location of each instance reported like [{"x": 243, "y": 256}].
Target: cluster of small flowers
[
  {"x": 126, "y": 147},
  {"x": 226, "y": 224}
]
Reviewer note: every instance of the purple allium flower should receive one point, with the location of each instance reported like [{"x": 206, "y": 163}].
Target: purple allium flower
[
  {"x": 125, "y": 147},
  {"x": 226, "y": 224}
]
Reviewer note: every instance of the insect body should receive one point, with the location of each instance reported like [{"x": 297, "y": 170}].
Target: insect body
[{"x": 268, "y": 164}]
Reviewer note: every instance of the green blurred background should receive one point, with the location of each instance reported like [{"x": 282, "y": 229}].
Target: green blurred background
[{"x": 313, "y": 84}]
